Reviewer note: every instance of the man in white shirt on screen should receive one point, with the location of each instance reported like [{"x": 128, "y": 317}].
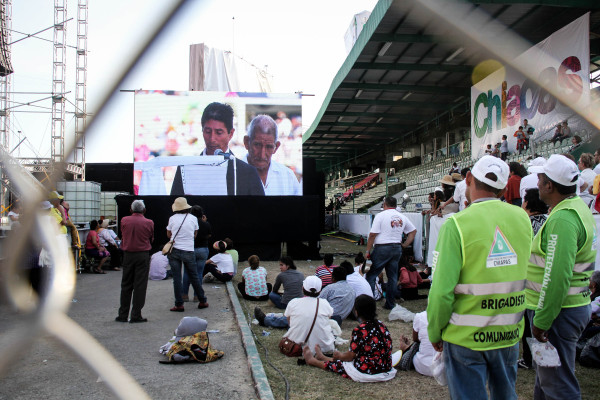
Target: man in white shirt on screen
[{"x": 261, "y": 143}]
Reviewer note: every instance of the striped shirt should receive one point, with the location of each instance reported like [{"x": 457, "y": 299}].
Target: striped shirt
[{"x": 324, "y": 273}]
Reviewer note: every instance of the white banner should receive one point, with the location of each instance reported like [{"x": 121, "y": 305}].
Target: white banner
[{"x": 501, "y": 101}]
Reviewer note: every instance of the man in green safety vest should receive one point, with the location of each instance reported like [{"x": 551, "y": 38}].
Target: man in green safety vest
[
  {"x": 477, "y": 299},
  {"x": 562, "y": 260}
]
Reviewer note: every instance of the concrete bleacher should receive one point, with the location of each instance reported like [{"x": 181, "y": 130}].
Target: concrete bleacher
[
  {"x": 424, "y": 178},
  {"x": 365, "y": 198}
]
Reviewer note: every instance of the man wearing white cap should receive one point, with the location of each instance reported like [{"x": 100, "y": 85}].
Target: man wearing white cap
[
  {"x": 558, "y": 274},
  {"x": 477, "y": 301},
  {"x": 530, "y": 181},
  {"x": 299, "y": 316}
]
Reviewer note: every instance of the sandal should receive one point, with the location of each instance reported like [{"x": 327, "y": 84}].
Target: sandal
[{"x": 99, "y": 271}]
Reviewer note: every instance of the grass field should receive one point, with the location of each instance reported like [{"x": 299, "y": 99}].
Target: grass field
[{"x": 312, "y": 383}]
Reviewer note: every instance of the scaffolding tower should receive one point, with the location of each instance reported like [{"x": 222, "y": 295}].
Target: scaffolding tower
[
  {"x": 5, "y": 89},
  {"x": 59, "y": 67},
  {"x": 5, "y": 81},
  {"x": 80, "y": 87}
]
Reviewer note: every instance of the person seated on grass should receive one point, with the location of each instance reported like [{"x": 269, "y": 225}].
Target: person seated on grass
[
  {"x": 361, "y": 268},
  {"x": 234, "y": 254},
  {"x": 419, "y": 354},
  {"x": 299, "y": 316},
  {"x": 221, "y": 264},
  {"x": 254, "y": 284},
  {"x": 370, "y": 356},
  {"x": 324, "y": 271},
  {"x": 426, "y": 277},
  {"x": 356, "y": 280},
  {"x": 410, "y": 279},
  {"x": 291, "y": 279},
  {"x": 359, "y": 262},
  {"x": 339, "y": 295}
]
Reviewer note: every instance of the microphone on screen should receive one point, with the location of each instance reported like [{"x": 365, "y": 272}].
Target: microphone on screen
[{"x": 219, "y": 152}]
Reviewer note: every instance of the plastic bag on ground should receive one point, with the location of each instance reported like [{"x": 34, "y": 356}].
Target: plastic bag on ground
[{"x": 401, "y": 313}]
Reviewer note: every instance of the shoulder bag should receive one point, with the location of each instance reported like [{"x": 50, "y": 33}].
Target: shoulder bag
[
  {"x": 168, "y": 248},
  {"x": 290, "y": 348}
]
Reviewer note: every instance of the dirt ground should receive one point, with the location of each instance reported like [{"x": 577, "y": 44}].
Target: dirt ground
[{"x": 311, "y": 383}]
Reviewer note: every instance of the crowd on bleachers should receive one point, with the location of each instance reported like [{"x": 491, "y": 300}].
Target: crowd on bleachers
[{"x": 422, "y": 180}]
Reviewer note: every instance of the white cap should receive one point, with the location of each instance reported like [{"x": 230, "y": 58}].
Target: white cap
[
  {"x": 561, "y": 170},
  {"x": 536, "y": 165},
  {"x": 312, "y": 282},
  {"x": 487, "y": 164},
  {"x": 45, "y": 205}
]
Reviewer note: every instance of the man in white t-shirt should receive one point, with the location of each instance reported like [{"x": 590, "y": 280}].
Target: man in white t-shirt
[{"x": 385, "y": 241}]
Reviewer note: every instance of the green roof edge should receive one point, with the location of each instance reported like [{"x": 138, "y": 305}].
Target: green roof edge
[{"x": 375, "y": 18}]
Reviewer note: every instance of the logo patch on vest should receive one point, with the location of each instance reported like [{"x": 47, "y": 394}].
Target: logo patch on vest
[{"x": 501, "y": 254}]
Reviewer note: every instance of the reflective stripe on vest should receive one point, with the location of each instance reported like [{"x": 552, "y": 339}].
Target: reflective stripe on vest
[
  {"x": 482, "y": 289},
  {"x": 483, "y": 321},
  {"x": 540, "y": 264},
  {"x": 572, "y": 290},
  {"x": 540, "y": 261}
]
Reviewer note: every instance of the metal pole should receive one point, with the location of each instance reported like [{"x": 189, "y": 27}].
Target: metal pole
[{"x": 386, "y": 181}]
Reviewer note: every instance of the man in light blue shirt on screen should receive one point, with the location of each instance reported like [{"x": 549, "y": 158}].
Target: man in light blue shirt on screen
[{"x": 261, "y": 143}]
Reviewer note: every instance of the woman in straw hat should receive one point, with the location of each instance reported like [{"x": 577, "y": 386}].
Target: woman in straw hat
[{"x": 182, "y": 230}]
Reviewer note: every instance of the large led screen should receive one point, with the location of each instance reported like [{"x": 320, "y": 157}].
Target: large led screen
[{"x": 217, "y": 143}]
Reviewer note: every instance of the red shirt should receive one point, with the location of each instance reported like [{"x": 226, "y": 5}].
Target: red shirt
[
  {"x": 512, "y": 188},
  {"x": 137, "y": 233},
  {"x": 89, "y": 244},
  {"x": 410, "y": 279}
]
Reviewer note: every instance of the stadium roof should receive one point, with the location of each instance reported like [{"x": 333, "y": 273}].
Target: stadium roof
[{"x": 403, "y": 76}]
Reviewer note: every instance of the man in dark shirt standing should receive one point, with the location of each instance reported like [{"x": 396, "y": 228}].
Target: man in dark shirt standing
[{"x": 137, "y": 235}]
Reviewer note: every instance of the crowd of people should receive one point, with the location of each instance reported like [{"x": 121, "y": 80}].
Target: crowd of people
[
  {"x": 513, "y": 260},
  {"x": 526, "y": 234}
]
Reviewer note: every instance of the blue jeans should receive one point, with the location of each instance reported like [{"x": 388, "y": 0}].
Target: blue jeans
[
  {"x": 387, "y": 257},
  {"x": 276, "y": 299},
  {"x": 201, "y": 254},
  {"x": 276, "y": 322},
  {"x": 468, "y": 371},
  {"x": 177, "y": 258},
  {"x": 561, "y": 382}
]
